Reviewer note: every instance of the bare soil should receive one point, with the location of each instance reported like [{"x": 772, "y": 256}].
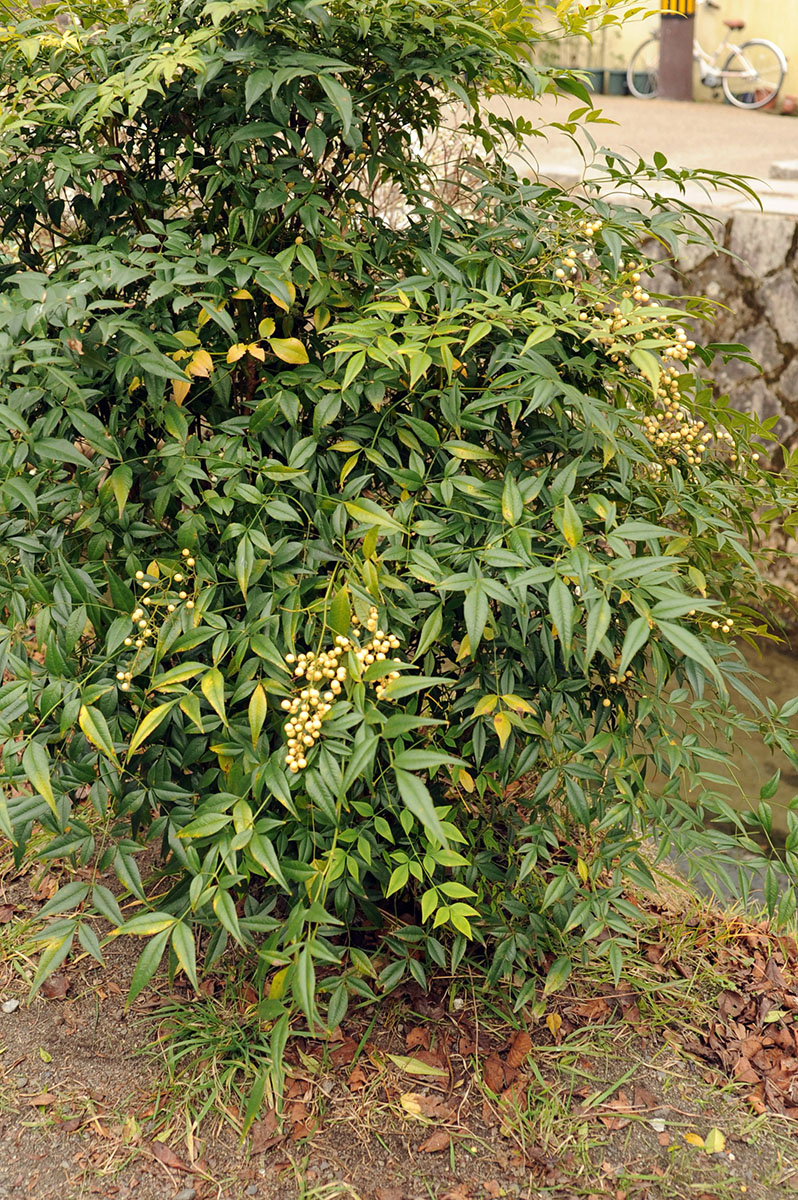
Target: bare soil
[{"x": 434, "y": 1096}]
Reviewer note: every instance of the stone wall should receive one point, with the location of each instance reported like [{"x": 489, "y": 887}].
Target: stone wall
[{"x": 754, "y": 287}]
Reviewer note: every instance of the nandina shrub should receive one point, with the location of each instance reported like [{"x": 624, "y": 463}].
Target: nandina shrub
[{"x": 379, "y": 564}]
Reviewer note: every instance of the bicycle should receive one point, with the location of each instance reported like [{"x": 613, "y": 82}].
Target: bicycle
[{"x": 750, "y": 78}]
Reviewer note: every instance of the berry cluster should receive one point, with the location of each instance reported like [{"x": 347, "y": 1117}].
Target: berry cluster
[
  {"x": 674, "y": 430},
  {"x": 160, "y": 599},
  {"x": 307, "y": 710}
]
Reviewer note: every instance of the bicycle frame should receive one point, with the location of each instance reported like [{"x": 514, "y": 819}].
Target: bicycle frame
[{"x": 700, "y": 55}]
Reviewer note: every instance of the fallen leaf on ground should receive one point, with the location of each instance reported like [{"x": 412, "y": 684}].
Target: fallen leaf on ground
[
  {"x": 390, "y": 1193},
  {"x": 715, "y": 1142},
  {"x": 55, "y": 987},
  {"x": 6, "y": 913},
  {"x": 42, "y": 1100},
  {"x": 461, "y": 1191},
  {"x": 265, "y": 1133},
  {"x": 166, "y": 1155},
  {"x": 522, "y": 1044},
  {"x": 493, "y": 1073},
  {"x": 694, "y": 1139},
  {"x": 417, "y": 1036},
  {"x": 344, "y": 1053},
  {"x": 415, "y": 1066},
  {"x": 437, "y": 1141}
]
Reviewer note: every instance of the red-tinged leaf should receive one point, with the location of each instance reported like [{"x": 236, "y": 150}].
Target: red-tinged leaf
[
  {"x": 42, "y": 1100},
  {"x": 166, "y": 1155},
  {"x": 55, "y": 987},
  {"x": 6, "y": 913},
  {"x": 440, "y": 1140}
]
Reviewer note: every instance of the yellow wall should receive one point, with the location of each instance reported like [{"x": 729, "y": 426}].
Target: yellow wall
[{"x": 773, "y": 19}]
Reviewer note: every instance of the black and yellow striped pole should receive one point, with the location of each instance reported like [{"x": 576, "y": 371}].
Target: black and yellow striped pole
[{"x": 676, "y": 49}]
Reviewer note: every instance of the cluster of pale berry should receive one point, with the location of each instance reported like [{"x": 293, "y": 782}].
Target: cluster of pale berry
[
  {"x": 675, "y": 431},
  {"x": 724, "y": 624},
  {"x": 324, "y": 675},
  {"x": 162, "y": 601},
  {"x": 682, "y": 345}
]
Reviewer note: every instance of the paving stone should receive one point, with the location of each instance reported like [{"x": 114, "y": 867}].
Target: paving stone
[
  {"x": 787, "y": 168},
  {"x": 761, "y": 243}
]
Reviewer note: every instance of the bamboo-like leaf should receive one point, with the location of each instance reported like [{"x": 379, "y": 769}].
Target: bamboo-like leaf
[
  {"x": 257, "y": 712},
  {"x": 36, "y": 765},
  {"x": 212, "y": 685},
  {"x": 148, "y": 725},
  {"x": 95, "y": 727}
]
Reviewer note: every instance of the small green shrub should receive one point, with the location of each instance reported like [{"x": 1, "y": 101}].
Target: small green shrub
[{"x": 440, "y": 494}]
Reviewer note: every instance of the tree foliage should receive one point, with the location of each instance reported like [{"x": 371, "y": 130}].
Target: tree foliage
[{"x": 441, "y": 494}]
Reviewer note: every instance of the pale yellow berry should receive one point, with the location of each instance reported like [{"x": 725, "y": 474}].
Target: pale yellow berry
[
  {"x": 606, "y": 702},
  {"x": 185, "y": 552},
  {"x": 139, "y": 574},
  {"x": 189, "y": 603},
  {"x": 178, "y": 578}
]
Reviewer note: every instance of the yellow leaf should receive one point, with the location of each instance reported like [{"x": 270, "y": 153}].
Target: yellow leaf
[
  {"x": 517, "y": 703},
  {"x": 212, "y": 685},
  {"x": 581, "y": 867},
  {"x": 257, "y": 712},
  {"x": 290, "y": 350},
  {"x": 694, "y": 1139},
  {"x": 180, "y": 389},
  {"x": 554, "y": 1021},
  {"x": 414, "y": 1066},
  {"x": 134, "y": 383},
  {"x": 321, "y": 318},
  {"x": 715, "y": 1142},
  {"x": 465, "y": 649},
  {"x": 256, "y": 351},
  {"x": 409, "y": 1102},
  {"x": 485, "y": 705},
  {"x": 201, "y": 364},
  {"x": 242, "y": 294},
  {"x": 153, "y": 569},
  {"x": 503, "y": 727},
  {"x": 266, "y": 327},
  {"x": 236, "y": 352},
  {"x": 94, "y": 726},
  {"x": 277, "y": 987},
  {"x": 149, "y": 725},
  {"x": 465, "y": 779},
  {"x": 291, "y": 296},
  {"x": 186, "y": 337}
]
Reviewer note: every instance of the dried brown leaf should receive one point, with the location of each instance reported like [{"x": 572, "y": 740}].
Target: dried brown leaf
[
  {"x": 522, "y": 1044},
  {"x": 166, "y": 1155},
  {"x": 55, "y": 987},
  {"x": 436, "y": 1142},
  {"x": 493, "y": 1073}
]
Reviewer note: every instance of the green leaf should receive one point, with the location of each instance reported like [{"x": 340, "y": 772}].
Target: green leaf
[
  {"x": 341, "y": 99},
  {"x": 148, "y": 963},
  {"x": 149, "y": 724},
  {"x": 304, "y": 985},
  {"x": 561, "y": 611},
  {"x": 52, "y": 956},
  {"x": 206, "y": 824},
  {"x": 212, "y": 685},
  {"x": 571, "y": 523},
  {"x": 36, "y": 765},
  {"x": 368, "y": 512},
  {"x": 557, "y": 976},
  {"x": 69, "y": 896},
  {"x": 245, "y": 561},
  {"x": 339, "y": 616},
  {"x": 415, "y": 795},
  {"x": 635, "y": 638},
  {"x": 121, "y": 481},
  {"x": 598, "y": 622},
  {"x": 95, "y": 727},
  {"x": 476, "y": 610},
  {"x": 185, "y": 950},
  {"x": 265, "y": 855},
  {"x": 689, "y": 645}
]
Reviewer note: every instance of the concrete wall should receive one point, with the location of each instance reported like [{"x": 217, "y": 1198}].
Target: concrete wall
[
  {"x": 755, "y": 288},
  {"x": 774, "y": 19}
]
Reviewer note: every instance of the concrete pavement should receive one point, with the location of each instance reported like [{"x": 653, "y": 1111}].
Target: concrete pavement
[{"x": 710, "y": 135}]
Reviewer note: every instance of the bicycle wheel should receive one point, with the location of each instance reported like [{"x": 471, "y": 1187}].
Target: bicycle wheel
[
  {"x": 759, "y": 70},
  {"x": 642, "y": 74}
]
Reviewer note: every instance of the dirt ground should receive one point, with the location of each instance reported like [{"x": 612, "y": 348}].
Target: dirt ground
[{"x": 678, "y": 1083}]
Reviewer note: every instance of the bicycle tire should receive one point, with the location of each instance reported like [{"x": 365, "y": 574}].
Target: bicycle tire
[
  {"x": 775, "y": 66},
  {"x": 642, "y": 78}
]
